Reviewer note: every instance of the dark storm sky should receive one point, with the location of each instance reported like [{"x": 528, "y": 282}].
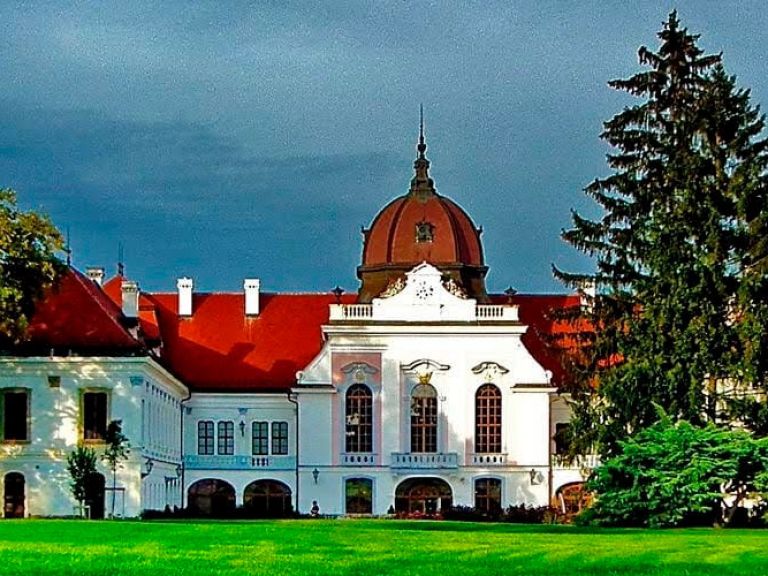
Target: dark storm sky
[{"x": 226, "y": 140}]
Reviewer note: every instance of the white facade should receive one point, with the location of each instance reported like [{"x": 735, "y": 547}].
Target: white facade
[
  {"x": 140, "y": 393},
  {"x": 423, "y": 355}
]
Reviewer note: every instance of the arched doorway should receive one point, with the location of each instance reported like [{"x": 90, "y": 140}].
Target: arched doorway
[
  {"x": 572, "y": 498},
  {"x": 423, "y": 496},
  {"x": 267, "y": 498},
  {"x": 94, "y": 495},
  {"x": 211, "y": 497},
  {"x": 14, "y": 495}
]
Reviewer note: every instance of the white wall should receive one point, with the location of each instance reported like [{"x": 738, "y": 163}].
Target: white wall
[{"x": 55, "y": 426}]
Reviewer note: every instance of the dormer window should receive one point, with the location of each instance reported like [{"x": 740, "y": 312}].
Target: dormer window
[{"x": 424, "y": 232}]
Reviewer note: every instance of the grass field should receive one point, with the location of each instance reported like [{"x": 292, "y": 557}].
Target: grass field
[{"x": 359, "y": 547}]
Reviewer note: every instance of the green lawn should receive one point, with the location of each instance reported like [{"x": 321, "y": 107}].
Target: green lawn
[{"x": 358, "y": 547}]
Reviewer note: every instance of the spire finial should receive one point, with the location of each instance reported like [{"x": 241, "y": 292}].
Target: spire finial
[
  {"x": 120, "y": 265},
  {"x": 422, "y": 147},
  {"x": 68, "y": 248}
]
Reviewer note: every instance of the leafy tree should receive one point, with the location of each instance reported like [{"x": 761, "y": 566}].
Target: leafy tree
[
  {"x": 116, "y": 451},
  {"x": 678, "y": 249},
  {"x": 28, "y": 263},
  {"x": 673, "y": 474},
  {"x": 81, "y": 464}
]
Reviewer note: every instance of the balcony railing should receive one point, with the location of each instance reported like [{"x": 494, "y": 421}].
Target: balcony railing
[
  {"x": 483, "y": 312},
  {"x": 577, "y": 463},
  {"x": 438, "y": 460},
  {"x": 351, "y": 311},
  {"x": 496, "y": 312},
  {"x": 353, "y": 459},
  {"x": 489, "y": 459},
  {"x": 199, "y": 462}
]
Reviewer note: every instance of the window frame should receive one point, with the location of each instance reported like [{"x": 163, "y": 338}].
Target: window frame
[
  {"x": 358, "y": 419},
  {"x": 425, "y": 414},
  {"x": 490, "y": 484},
  {"x": 107, "y": 411},
  {"x": 206, "y": 445},
  {"x": 262, "y": 439},
  {"x": 279, "y": 440},
  {"x": 225, "y": 438},
  {"x": 28, "y": 418},
  {"x": 488, "y": 420}
]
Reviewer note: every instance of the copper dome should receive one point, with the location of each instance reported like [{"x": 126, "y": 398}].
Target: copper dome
[{"x": 417, "y": 227}]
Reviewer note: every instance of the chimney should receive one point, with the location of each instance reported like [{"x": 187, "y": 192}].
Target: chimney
[
  {"x": 96, "y": 274},
  {"x": 251, "y": 286},
  {"x": 130, "y": 290},
  {"x": 185, "y": 296}
]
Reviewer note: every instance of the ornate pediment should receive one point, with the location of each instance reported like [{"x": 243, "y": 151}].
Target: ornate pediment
[
  {"x": 359, "y": 371},
  {"x": 423, "y": 296},
  {"x": 490, "y": 371},
  {"x": 423, "y": 365}
]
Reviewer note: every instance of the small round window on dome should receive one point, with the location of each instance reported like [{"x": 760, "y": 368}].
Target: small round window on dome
[{"x": 424, "y": 232}]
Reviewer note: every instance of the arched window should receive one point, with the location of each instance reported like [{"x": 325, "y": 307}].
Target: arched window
[
  {"x": 488, "y": 420},
  {"x": 488, "y": 495},
  {"x": 424, "y": 419},
  {"x": 267, "y": 498},
  {"x": 211, "y": 497},
  {"x": 359, "y": 496},
  {"x": 359, "y": 419}
]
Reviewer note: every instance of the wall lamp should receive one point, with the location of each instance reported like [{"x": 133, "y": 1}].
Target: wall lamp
[
  {"x": 535, "y": 476},
  {"x": 315, "y": 474},
  {"x": 242, "y": 428}
]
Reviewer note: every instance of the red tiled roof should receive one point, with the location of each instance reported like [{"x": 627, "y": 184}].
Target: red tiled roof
[
  {"x": 535, "y": 312},
  {"x": 147, "y": 318},
  {"x": 77, "y": 315},
  {"x": 220, "y": 348}
]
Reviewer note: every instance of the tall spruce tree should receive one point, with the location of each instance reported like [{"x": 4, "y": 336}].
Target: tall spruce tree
[{"x": 673, "y": 311}]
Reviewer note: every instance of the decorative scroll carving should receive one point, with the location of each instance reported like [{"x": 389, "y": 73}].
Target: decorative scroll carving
[
  {"x": 490, "y": 370},
  {"x": 455, "y": 288},
  {"x": 425, "y": 362},
  {"x": 394, "y": 287}
]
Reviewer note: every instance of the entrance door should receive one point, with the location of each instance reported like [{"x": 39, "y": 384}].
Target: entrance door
[
  {"x": 14, "y": 495},
  {"x": 94, "y": 496},
  {"x": 423, "y": 496}
]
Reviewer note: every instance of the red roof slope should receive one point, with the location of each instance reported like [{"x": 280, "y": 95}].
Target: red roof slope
[
  {"x": 220, "y": 348},
  {"x": 535, "y": 311},
  {"x": 77, "y": 315},
  {"x": 147, "y": 317}
]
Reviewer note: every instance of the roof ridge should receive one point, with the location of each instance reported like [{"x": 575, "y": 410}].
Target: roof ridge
[{"x": 82, "y": 280}]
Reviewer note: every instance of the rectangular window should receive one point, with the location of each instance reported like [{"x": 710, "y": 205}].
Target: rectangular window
[
  {"x": 279, "y": 438},
  {"x": 226, "y": 441},
  {"x": 95, "y": 407},
  {"x": 260, "y": 438},
  {"x": 205, "y": 438},
  {"x": 562, "y": 438},
  {"x": 15, "y": 414}
]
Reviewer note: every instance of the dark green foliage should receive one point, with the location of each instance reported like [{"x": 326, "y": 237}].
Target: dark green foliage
[
  {"x": 676, "y": 474},
  {"x": 115, "y": 452},
  {"x": 28, "y": 263},
  {"x": 81, "y": 465},
  {"x": 679, "y": 315}
]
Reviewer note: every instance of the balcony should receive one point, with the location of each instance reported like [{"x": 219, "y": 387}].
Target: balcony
[
  {"x": 587, "y": 461},
  {"x": 357, "y": 459},
  {"x": 489, "y": 459},
  {"x": 198, "y": 462},
  {"x": 480, "y": 312},
  {"x": 414, "y": 461}
]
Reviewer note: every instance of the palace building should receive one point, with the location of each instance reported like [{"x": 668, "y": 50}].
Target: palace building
[{"x": 421, "y": 391}]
